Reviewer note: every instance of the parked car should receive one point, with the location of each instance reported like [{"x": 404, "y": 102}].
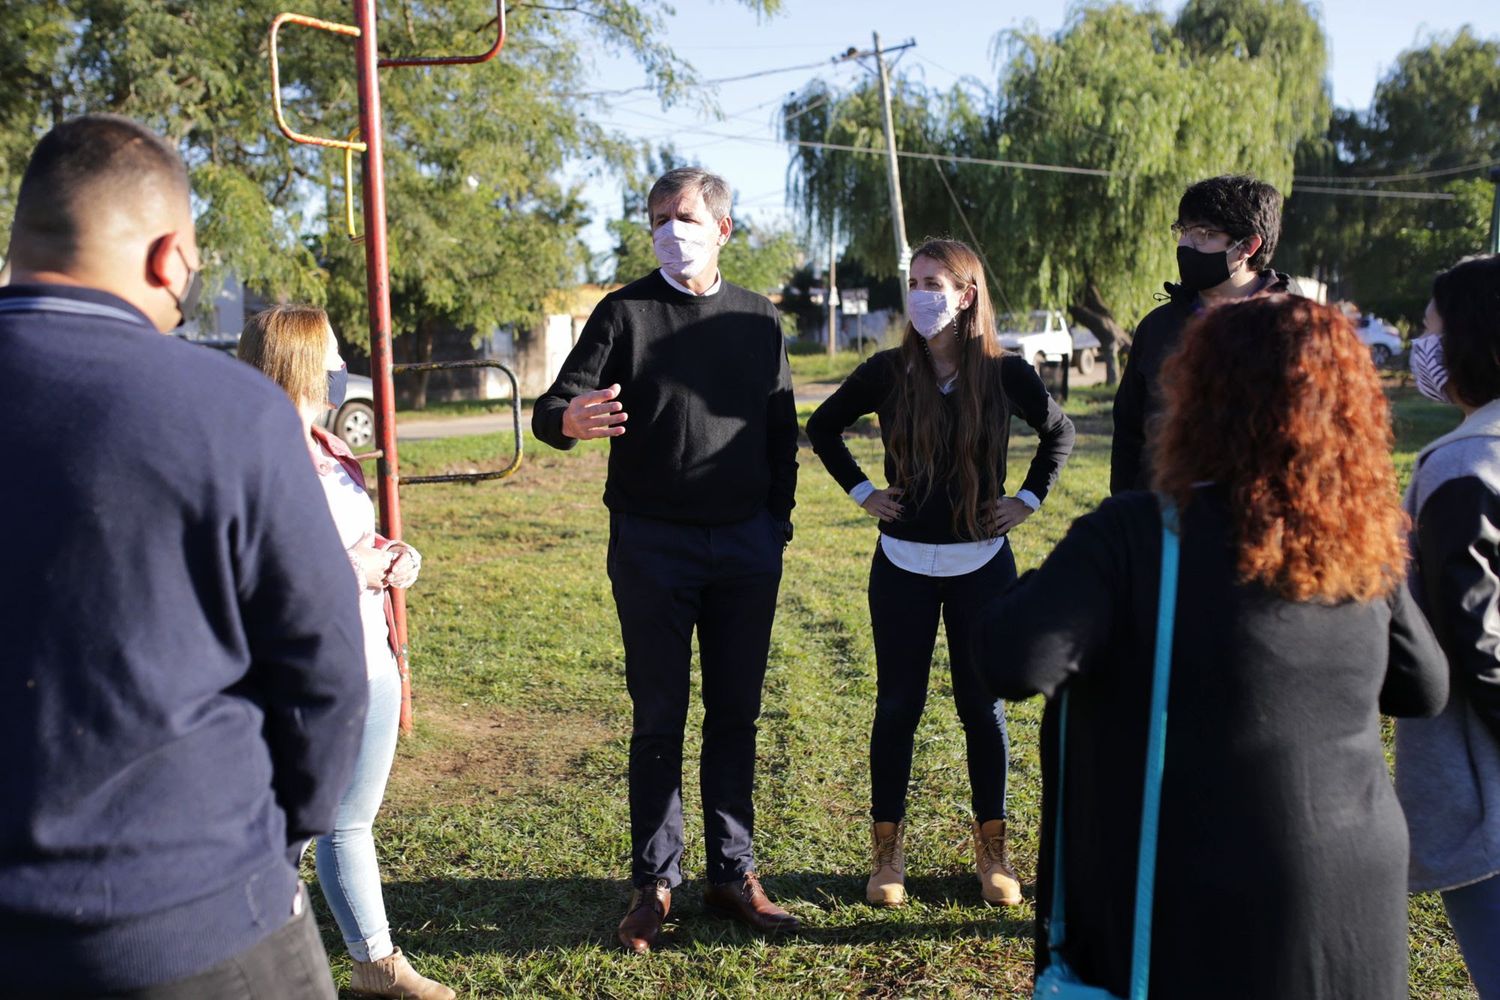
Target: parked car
[
  {"x": 354, "y": 421},
  {"x": 1383, "y": 339},
  {"x": 1042, "y": 337}
]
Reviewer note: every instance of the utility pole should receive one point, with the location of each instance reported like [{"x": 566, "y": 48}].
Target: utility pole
[
  {"x": 898, "y": 214},
  {"x": 1495, "y": 212},
  {"x": 833, "y": 296}
]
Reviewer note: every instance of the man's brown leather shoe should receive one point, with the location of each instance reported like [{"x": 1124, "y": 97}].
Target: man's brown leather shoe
[
  {"x": 643, "y": 919},
  {"x": 744, "y": 900}
]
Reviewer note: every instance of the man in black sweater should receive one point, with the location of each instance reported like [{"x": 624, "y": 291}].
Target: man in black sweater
[
  {"x": 183, "y": 676},
  {"x": 700, "y": 494},
  {"x": 1227, "y": 229}
]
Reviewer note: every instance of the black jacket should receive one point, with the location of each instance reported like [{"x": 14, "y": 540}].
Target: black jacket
[
  {"x": 1139, "y": 397},
  {"x": 871, "y": 388}
]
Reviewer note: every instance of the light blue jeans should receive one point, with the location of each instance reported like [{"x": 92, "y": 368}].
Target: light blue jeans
[
  {"x": 1474, "y": 912},
  {"x": 347, "y": 872}
]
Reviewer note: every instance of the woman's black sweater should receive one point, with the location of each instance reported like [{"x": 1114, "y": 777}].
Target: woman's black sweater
[{"x": 873, "y": 387}]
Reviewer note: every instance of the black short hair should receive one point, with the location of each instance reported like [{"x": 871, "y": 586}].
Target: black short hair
[
  {"x": 1242, "y": 206},
  {"x": 81, "y": 165},
  {"x": 1467, "y": 298}
]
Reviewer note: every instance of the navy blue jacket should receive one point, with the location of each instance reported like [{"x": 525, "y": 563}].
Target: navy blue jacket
[{"x": 182, "y": 677}]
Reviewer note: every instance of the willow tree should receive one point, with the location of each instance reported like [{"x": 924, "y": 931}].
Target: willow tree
[
  {"x": 482, "y": 224},
  {"x": 1146, "y": 104},
  {"x": 1435, "y": 120}
]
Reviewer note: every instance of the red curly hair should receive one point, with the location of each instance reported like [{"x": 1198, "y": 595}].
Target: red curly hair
[{"x": 1275, "y": 399}]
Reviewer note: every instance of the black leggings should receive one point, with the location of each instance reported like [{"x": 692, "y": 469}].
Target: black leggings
[{"x": 904, "y": 610}]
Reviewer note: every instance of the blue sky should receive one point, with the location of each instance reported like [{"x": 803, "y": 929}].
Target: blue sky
[{"x": 954, "y": 39}]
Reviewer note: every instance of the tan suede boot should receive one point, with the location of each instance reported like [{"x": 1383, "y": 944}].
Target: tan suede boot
[
  {"x": 887, "y": 885},
  {"x": 394, "y": 977},
  {"x": 997, "y": 880}
]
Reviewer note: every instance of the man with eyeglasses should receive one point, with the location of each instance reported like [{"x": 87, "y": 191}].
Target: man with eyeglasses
[{"x": 1226, "y": 229}]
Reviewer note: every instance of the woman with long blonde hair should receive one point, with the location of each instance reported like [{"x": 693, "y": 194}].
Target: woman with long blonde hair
[
  {"x": 296, "y": 348},
  {"x": 944, "y": 399}
]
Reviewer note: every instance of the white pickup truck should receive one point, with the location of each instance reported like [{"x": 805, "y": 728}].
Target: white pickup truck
[{"x": 1041, "y": 336}]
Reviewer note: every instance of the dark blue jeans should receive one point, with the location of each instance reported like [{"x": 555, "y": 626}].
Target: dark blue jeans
[
  {"x": 904, "y": 612},
  {"x": 668, "y": 580}
]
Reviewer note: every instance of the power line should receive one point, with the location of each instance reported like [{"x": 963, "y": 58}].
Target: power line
[
  {"x": 955, "y": 158},
  {"x": 703, "y": 83},
  {"x": 978, "y": 246},
  {"x": 1356, "y": 192},
  {"x": 1393, "y": 178}
]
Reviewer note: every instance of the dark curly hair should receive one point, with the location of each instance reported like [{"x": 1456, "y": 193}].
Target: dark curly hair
[
  {"x": 1275, "y": 399},
  {"x": 1467, "y": 299},
  {"x": 1242, "y": 206}
]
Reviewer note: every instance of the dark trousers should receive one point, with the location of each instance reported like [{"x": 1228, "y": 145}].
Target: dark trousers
[
  {"x": 669, "y": 579},
  {"x": 287, "y": 964},
  {"x": 904, "y": 612}
]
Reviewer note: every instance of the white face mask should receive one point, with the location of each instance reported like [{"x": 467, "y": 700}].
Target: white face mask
[
  {"x": 684, "y": 248},
  {"x": 930, "y": 311}
]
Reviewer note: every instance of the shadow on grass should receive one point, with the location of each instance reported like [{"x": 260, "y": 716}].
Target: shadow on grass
[{"x": 526, "y": 915}]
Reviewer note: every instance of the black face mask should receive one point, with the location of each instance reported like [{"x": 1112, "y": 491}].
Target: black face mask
[
  {"x": 187, "y": 302},
  {"x": 1200, "y": 270}
]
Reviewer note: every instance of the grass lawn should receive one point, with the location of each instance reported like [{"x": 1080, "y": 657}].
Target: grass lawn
[{"x": 504, "y": 839}]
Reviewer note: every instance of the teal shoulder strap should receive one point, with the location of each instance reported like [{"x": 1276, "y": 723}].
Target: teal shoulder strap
[
  {"x": 1156, "y": 745},
  {"x": 1156, "y": 739}
]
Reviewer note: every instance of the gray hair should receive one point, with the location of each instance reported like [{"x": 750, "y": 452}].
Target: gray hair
[{"x": 713, "y": 188}]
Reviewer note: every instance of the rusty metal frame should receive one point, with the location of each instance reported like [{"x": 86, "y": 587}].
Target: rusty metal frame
[
  {"x": 515, "y": 411},
  {"x": 307, "y": 22},
  {"x": 494, "y": 50}
]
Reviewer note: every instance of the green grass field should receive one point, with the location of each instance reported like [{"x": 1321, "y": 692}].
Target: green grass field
[{"x": 504, "y": 842}]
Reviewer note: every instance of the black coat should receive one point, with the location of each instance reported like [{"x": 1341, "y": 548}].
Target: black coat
[
  {"x": 873, "y": 388},
  {"x": 1282, "y": 856},
  {"x": 1138, "y": 398}
]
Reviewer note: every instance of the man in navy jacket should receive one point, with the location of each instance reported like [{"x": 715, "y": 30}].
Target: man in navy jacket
[{"x": 182, "y": 687}]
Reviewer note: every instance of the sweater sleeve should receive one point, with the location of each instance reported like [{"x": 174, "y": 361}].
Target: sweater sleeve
[
  {"x": 1458, "y": 543},
  {"x": 1058, "y": 618},
  {"x": 1416, "y": 673},
  {"x": 781, "y": 440},
  {"x": 302, "y": 626},
  {"x": 1029, "y": 397},
  {"x": 584, "y": 370},
  {"x": 1130, "y": 425},
  {"x": 863, "y": 392}
]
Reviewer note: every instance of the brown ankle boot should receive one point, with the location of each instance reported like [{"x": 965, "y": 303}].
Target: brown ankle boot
[
  {"x": 394, "y": 977},
  {"x": 997, "y": 880},
  {"x": 887, "y": 885},
  {"x": 644, "y": 916}
]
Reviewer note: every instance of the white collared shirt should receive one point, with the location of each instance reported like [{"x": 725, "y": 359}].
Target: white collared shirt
[{"x": 684, "y": 289}]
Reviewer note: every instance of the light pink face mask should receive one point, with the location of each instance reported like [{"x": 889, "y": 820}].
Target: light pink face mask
[
  {"x": 684, "y": 248},
  {"x": 930, "y": 311}
]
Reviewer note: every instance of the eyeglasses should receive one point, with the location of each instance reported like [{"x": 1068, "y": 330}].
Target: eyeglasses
[{"x": 1197, "y": 236}]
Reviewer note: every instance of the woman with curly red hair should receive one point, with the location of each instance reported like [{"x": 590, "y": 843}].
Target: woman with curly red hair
[{"x": 1280, "y": 850}]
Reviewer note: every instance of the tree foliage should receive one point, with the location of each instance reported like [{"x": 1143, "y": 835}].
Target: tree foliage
[
  {"x": 1151, "y": 104},
  {"x": 1436, "y": 112},
  {"x": 481, "y": 226}
]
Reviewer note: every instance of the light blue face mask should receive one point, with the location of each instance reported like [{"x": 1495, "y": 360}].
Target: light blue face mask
[
  {"x": 338, "y": 386},
  {"x": 1429, "y": 367}
]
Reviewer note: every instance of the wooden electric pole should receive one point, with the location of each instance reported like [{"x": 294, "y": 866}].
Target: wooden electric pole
[{"x": 898, "y": 214}]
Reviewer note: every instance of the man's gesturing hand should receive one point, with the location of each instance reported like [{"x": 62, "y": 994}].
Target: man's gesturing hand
[{"x": 594, "y": 415}]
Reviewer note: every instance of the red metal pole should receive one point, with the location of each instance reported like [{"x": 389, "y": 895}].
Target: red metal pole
[{"x": 377, "y": 269}]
